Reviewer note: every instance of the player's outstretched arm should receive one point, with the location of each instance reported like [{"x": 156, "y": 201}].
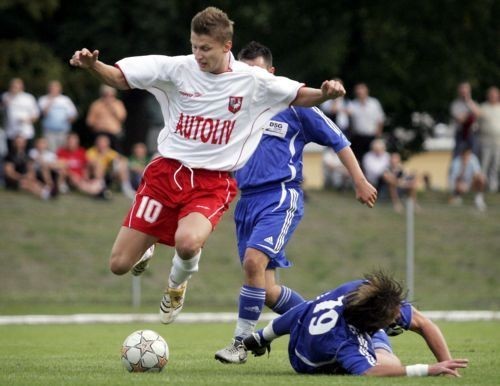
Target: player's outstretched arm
[
  {"x": 110, "y": 75},
  {"x": 431, "y": 333},
  {"x": 448, "y": 367},
  {"x": 365, "y": 192},
  {"x": 308, "y": 97}
]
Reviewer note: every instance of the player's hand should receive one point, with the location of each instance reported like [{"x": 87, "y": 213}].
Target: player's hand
[
  {"x": 448, "y": 367},
  {"x": 332, "y": 89},
  {"x": 84, "y": 58},
  {"x": 366, "y": 193}
]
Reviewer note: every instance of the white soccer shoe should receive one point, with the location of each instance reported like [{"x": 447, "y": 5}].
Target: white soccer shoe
[
  {"x": 143, "y": 262},
  {"x": 234, "y": 353},
  {"x": 172, "y": 302},
  {"x": 479, "y": 202}
]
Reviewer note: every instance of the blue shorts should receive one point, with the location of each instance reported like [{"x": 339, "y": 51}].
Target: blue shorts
[
  {"x": 266, "y": 220},
  {"x": 380, "y": 340}
]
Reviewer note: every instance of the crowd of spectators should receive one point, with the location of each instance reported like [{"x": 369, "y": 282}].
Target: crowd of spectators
[
  {"x": 474, "y": 159},
  {"x": 54, "y": 162}
]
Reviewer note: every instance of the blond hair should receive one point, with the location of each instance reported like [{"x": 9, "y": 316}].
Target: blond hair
[{"x": 213, "y": 22}]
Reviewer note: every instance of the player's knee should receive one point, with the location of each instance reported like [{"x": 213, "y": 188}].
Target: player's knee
[
  {"x": 187, "y": 244},
  {"x": 117, "y": 263},
  {"x": 254, "y": 265}
]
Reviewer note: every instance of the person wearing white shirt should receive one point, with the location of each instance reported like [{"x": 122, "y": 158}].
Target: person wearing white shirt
[
  {"x": 58, "y": 112},
  {"x": 376, "y": 162},
  {"x": 214, "y": 108},
  {"x": 367, "y": 120},
  {"x": 21, "y": 112}
]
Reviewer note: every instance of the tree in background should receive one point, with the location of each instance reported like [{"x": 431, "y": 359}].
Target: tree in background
[{"x": 411, "y": 53}]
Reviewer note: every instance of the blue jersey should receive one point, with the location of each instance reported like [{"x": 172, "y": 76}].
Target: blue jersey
[
  {"x": 321, "y": 341},
  {"x": 278, "y": 157}
]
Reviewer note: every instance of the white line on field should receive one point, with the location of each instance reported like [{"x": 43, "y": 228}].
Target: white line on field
[{"x": 209, "y": 317}]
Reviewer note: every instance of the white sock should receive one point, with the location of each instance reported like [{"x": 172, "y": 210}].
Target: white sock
[
  {"x": 182, "y": 269},
  {"x": 268, "y": 332},
  {"x": 244, "y": 328}
]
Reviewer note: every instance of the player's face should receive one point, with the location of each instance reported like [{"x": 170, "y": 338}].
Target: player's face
[
  {"x": 210, "y": 54},
  {"x": 259, "y": 61}
]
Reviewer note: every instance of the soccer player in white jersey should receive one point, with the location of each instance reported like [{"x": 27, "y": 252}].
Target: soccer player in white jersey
[
  {"x": 271, "y": 204},
  {"x": 214, "y": 109}
]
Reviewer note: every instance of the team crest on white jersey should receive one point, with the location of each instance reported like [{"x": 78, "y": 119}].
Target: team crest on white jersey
[{"x": 235, "y": 103}]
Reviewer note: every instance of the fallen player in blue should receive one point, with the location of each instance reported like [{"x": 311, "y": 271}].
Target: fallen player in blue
[{"x": 344, "y": 331}]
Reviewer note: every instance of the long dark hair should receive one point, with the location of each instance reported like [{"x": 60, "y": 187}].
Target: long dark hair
[{"x": 375, "y": 303}]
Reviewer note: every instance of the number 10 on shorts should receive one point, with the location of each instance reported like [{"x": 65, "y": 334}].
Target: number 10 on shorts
[{"x": 149, "y": 209}]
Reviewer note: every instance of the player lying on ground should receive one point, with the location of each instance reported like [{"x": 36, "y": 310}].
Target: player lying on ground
[
  {"x": 342, "y": 332},
  {"x": 272, "y": 204},
  {"x": 214, "y": 108}
]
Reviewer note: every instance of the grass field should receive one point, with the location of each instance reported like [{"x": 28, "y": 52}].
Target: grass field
[
  {"x": 90, "y": 355},
  {"x": 53, "y": 255},
  {"x": 54, "y": 261}
]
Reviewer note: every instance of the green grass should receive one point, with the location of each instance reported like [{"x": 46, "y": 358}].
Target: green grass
[
  {"x": 54, "y": 255},
  {"x": 90, "y": 355}
]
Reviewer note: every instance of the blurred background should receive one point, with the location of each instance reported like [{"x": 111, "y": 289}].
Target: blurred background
[{"x": 412, "y": 56}]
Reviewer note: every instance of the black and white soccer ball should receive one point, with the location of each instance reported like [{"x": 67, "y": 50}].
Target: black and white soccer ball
[{"x": 144, "y": 350}]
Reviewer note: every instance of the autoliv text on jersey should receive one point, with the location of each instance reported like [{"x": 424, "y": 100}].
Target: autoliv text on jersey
[{"x": 206, "y": 130}]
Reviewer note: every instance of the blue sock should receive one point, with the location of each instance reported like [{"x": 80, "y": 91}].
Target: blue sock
[
  {"x": 288, "y": 298},
  {"x": 251, "y": 303}
]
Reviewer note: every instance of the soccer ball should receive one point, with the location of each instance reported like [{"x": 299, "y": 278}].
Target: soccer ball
[{"x": 144, "y": 350}]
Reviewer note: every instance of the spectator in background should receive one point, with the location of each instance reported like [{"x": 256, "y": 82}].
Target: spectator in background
[
  {"x": 58, "y": 113},
  {"x": 335, "y": 173},
  {"x": 74, "y": 172},
  {"x": 3, "y": 153},
  {"x": 21, "y": 111},
  {"x": 336, "y": 110},
  {"x": 106, "y": 116},
  {"x": 45, "y": 164},
  {"x": 367, "y": 120},
  {"x": 489, "y": 135},
  {"x": 137, "y": 162},
  {"x": 108, "y": 165},
  {"x": 376, "y": 162},
  {"x": 463, "y": 120},
  {"x": 399, "y": 182},
  {"x": 465, "y": 175},
  {"x": 20, "y": 171}
]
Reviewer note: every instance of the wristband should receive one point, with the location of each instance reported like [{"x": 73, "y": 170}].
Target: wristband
[{"x": 417, "y": 370}]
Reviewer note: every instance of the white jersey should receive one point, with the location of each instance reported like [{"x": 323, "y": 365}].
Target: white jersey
[{"x": 212, "y": 121}]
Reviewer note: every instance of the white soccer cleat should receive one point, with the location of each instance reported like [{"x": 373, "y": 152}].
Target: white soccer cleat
[
  {"x": 479, "y": 202},
  {"x": 143, "y": 262},
  {"x": 234, "y": 353},
  {"x": 172, "y": 302}
]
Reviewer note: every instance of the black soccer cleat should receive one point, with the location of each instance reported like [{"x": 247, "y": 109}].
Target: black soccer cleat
[{"x": 257, "y": 345}]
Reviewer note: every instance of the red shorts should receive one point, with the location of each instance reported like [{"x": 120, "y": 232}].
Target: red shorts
[{"x": 170, "y": 191}]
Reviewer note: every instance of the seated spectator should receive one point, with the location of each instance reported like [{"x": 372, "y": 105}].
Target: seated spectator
[
  {"x": 137, "y": 162},
  {"x": 73, "y": 168},
  {"x": 335, "y": 173},
  {"x": 45, "y": 164},
  {"x": 376, "y": 162},
  {"x": 20, "y": 172},
  {"x": 109, "y": 165},
  {"x": 58, "y": 113},
  {"x": 466, "y": 175},
  {"x": 399, "y": 182}
]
